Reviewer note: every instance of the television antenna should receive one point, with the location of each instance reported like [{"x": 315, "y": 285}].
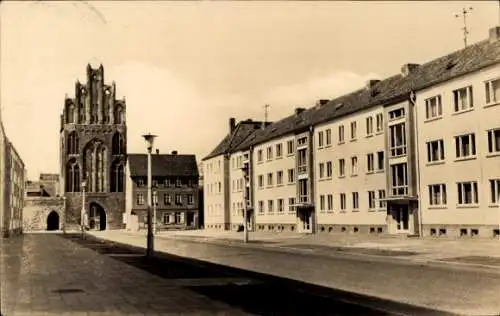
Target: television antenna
[{"x": 465, "y": 29}]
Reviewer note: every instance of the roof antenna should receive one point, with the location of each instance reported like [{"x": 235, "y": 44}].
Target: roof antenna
[{"x": 464, "y": 13}]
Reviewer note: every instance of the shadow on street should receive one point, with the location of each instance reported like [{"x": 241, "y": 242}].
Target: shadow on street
[{"x": 265, "y": 295}]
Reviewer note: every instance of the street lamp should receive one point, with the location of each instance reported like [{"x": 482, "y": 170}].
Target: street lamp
[
  {"x": 83, "y": 212},
  {"x": 150, "y": 239}
]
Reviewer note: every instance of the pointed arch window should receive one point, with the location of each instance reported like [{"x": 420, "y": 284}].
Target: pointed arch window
[
  {"x": 118, "y": 115},
  {"x": 72, "y": 143},
  {"x": 95, "y": 162},
  {"x": 72, "y": 176},
  {"x": 70, "y": 114},
  {"x": 117, "y": 175},
  {"x": 118, "y": 145}
]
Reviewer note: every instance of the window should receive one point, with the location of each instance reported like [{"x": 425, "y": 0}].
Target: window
[
  {"x": 381, "y": 196},
  {"x": 269, "y": 179},
  {"x": 399, "y": 179},
  {"x": 259, "y": 155},
  {"x": 380, "y": 122},
  {"x": 328, "y": 137},
  {"x": 279, "y": 150},
  {"x": 289, "y": 147},
  {"x": 437, "y": 194},
  {"x": 190, "y": 199},
  {"x": 329, "y": 169},
  {"x": 354, "y": 166},
  {"x": 269, "y": 153},
  {"x": 321, "y": 170},
  {"x": 495, "y": 191},
  {"x": 355, "y": 201},
  {"x": 178, "y": 199},
  {"x": 322, "y": 203},
  {"x": 380, "y": 161},
  {"x": 261, "y": 181},
  {"x": 398, "y": 139},
  {"x": 291, "y": 175},
  {"x": 320, "y": 139},
  {"x": 369, "y": 162},
  {"x": 167, "y": 199},
  {"x": 433, "y": 107},
  {"x": 291, "y": 204},
  {"x": 369, "y": 126},
  {"x": 302, "y": 141},
  {"x": 139, "y": 199},
  {"x": 396, "y": 114},
  {"x": 492, "y": 91},
  {"x": 342, "y": 202},
  {"x": 465, "y": 145},
  {"x": 302, "y": 161},
  {"x": 341, "y": 167},
  {"x": 261, "y": 206},
  {"x": 435, "y": 150},
  {"x": 155, "y": 183},
  {"x": 303, "y": 192},
  {"x": 467, "y": 193},
  {"x": 178, "y": 183},
  {"x": 341, "y": 134},
  {"x": 494, "y": 141},
  {"x": 330, "y": 202},
  {"x": 140, "y": 183},
  {"x": 462, "y": 99},
  {"x": 371, "y": 200},
  {"x": 280, "y": 205},
  {"x": 270, "y": 206},
  {"x": 353, "y": 130},
  {"x": 178, "y": 218},
  {"x": 279, "y": 177},
  {"x": 220, "y": 187}
]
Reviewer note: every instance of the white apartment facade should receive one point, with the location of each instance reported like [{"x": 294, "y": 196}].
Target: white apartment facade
[
  {"x": 215, "y": 198},
  {"x": 459, "y": 162}
]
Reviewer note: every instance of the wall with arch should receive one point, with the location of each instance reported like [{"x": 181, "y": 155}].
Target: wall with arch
[{"x": 37, "y": 209}]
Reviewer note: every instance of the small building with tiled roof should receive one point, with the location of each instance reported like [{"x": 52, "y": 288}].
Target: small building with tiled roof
[{"x": 175, "y": 191}]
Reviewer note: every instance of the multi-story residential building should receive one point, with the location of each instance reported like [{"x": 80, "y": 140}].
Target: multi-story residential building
[
  {"x": 175, "y": 191},
  {"x": 458, "y": 141},
  {"x": 93, "y": 151},
  {"x": 369, "y": 161},
  {"x": 216, "y": 176},
  {"x": 12, "y": 193},
  {"x": 2, "y": 175}
]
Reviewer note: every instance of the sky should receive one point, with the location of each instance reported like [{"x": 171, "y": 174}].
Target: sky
[{"x": 185, "y": 68}]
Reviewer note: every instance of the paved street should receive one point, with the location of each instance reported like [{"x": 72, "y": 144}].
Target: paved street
[
  {"x": 449, "y": 289},
  {"x": 51, "y": 274}
]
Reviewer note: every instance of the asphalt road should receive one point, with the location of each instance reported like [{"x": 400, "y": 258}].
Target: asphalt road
[{"x": 261, "y": 294}]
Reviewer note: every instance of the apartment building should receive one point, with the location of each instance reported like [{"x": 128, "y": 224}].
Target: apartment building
[
  {"x": 175, "y": 191},
  {"x": 217, "y": 176},
  {"x": 459, "y": 146},
  {"x": 369, "y": 161}
]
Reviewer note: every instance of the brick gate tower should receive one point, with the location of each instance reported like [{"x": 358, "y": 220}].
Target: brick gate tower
[{"x": 93, "y": 148}]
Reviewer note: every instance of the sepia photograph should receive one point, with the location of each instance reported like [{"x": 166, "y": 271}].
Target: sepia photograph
[{"x": 267, "y": 158}]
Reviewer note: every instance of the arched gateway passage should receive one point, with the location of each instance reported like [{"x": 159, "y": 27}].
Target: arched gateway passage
[
  {"x": 97, "y": 217},
  {"x": 53, "y": 221}
]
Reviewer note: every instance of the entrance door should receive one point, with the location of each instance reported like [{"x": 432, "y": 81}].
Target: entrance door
[
  {"x": 97, "y": 218},
  {"x": 53, "y": 221},
  {"x": 402, "y": 219},
  {"x": 305, "y": 218}
]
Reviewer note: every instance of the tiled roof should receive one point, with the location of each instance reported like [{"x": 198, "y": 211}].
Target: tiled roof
[
  {"x": 392, "y": 89},
  {"x": 163, "y": 165},
  {"x": 241, "y": 132}
]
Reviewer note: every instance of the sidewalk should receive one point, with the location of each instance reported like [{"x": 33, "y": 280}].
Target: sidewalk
[
  {"x": 478, "y": 252},
  {"x": 45, "y": 274}
]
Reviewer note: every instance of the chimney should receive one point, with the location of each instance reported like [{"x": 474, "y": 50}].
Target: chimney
[
  {"x": 174, "y": 152},
  {"x": 372, "y": 82},
  {"x": 322, "y": 102},
  {"x": 232, "y": 125},
  {"x": 298, "y": 111},
  {"x": 157, "y": 151},
  {"x": 494, "y": 34},
  {"x": 407, "y": 69}
]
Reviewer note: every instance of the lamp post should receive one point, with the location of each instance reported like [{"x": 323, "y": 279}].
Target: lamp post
[
  {"x": 83, "y": 212},
  {"x": 150, "y": 239},
  {"x": 155, "y": 203}
]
